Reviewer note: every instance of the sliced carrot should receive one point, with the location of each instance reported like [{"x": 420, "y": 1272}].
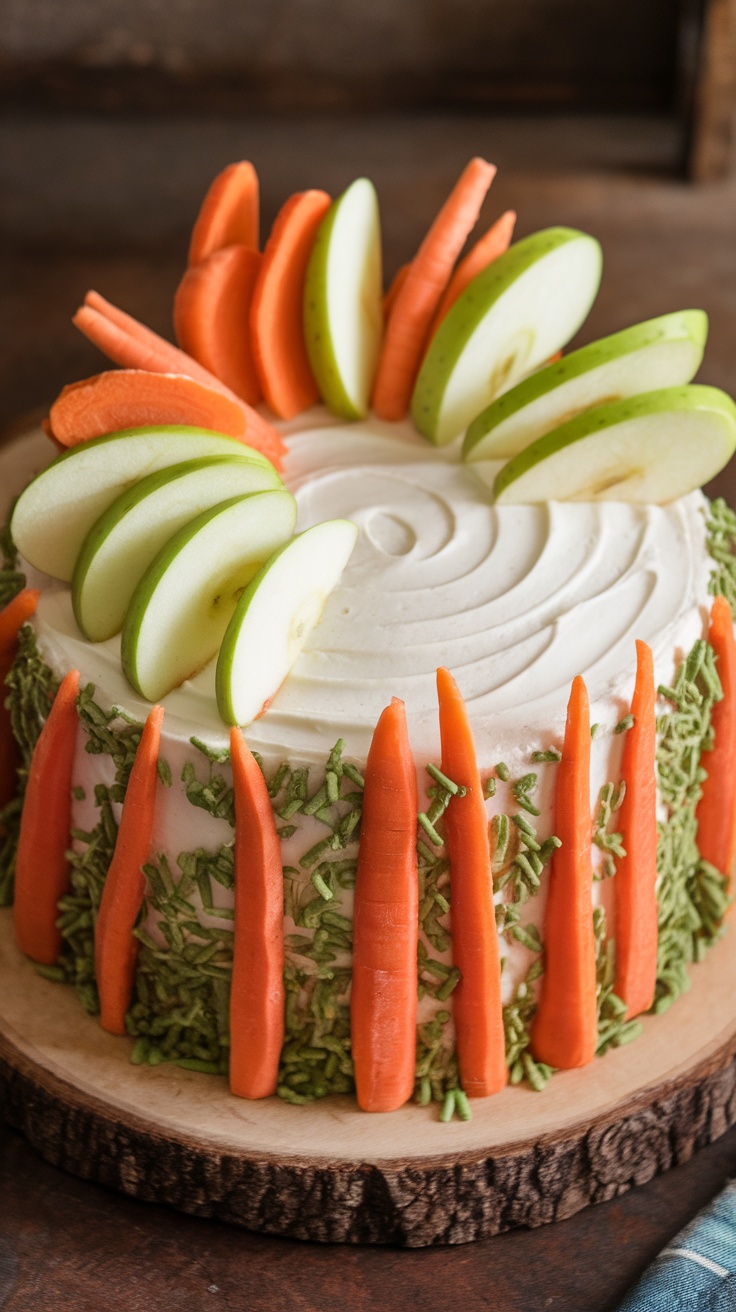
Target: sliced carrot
[
  {"x": 229, "y": 213},
  {"x": 383, "y": 999},
  {"x": 476, "y": 1000},
  {"x": 12, "y": 617},
  {"x": 397, "y": 283},
  {"x": 129, "y": 343},
  {"x": 116, "y": 947},
  {"x": 419, "y": 295},
  {"x": 276, "y": 315},
  {"x": 257, "y": 994},
  {"x": 127, "y": 398},
  {"x": 488, "y": 247},
  {"x": 716, "y": 812},
  {"x": 42, "y": 872},
  {"x": 564, "y": 1029},
  {"x": 636, "y": 873},
  {"x": 211, "y": 308}
]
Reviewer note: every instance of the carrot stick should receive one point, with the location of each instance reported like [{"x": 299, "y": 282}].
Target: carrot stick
[
  {"x": 488, "y": 247},
  {"x": 383, "y": 999},
  {"x": 127, "y": 398},
  {"x": 397, "y": 283},
  {"x": 136, "y": 347},
  {"x": 716, "y": 811},
  {"x": 42, "y": 873},
  {"x": 476, "y": 1001},
  {"x": 229, "y": 213},
  {"x": 636, "y": 873},
  {"x": 564, "y": 1030},
  {"x": 276, "y": 314},
  {"x": 12, "y": 617},
  {"x": 418, "y": 297},
  {"x": 257, "y": 994},
  {"x": 211, "y": 309},
  {"x": 116, "y": 947}
]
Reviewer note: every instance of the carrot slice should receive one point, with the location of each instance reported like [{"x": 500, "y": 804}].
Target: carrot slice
[
  {"x": 257, "y": 994},
  {"x": 12, "y": 617},
  {"x": 476, "y": 1000},
  {"x": 276, "y": 315},
  {"x": 488, "y": 247},
  {"x": 129, "y": 343},
  {"x": 116, "y": 947},
  {"x": 383, "y": 999},
  {"x": 42, "y": 872},
  {"x": 397, "y": 283},
  {"x": 211, "y": 308},
  {"x": 418, "y": 297},
  {"x": 564, "y": 1030},
  {"x": 127, "y": 398},
  {"x": 716, "y": 812},
  {"x": 229, "y": 213},
  {"x": 636, "y": 873}
]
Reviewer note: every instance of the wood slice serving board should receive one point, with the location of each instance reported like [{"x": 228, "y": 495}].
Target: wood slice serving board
[{"x": 332, "y": 1173}]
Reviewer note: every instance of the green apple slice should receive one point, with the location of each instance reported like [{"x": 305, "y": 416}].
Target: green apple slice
[
  {"x": 54, "y": 514},
  {"x": 662, "y": 352},
  {"x": 183, "y": 604},
  {"x": 122, "y": 543},
  {"x": 343, "y": 308},
  {"x": 275, "y": 615},
  {"x": 651, "y": 448},
  {"x": 523, "y": 308}
]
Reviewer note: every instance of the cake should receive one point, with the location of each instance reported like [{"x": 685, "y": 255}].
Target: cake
[{"x": 518, "y": 599}]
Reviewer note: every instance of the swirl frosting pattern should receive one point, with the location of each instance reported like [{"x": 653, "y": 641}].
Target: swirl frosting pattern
[{"x": 515, "y": 600}]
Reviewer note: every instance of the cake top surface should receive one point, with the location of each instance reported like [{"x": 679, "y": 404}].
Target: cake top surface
[{"x": 515, "y": 599}]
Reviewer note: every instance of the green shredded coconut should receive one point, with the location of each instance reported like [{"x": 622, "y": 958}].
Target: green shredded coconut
[{"x": 721, "y": 543}]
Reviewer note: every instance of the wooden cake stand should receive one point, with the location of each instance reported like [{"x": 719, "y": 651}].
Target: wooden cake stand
[{"x": 332, "y": 1173}]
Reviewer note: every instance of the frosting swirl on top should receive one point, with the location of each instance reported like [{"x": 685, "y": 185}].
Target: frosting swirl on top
[{"x": 515, "y": 600}]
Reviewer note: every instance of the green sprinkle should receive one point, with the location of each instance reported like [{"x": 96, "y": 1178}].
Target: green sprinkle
[
  {"x": 429, "y": 829},
  {"x": 78, "y": 793},
  {"x": 503, "y": 772},
  {"x": 462, "y": 1105},
  {"x": 595, "y": 730},
  {"x": 448, "y": 1106},
  {"x": 489, "y": 787},
  {"x": 625, "y": 724},
  {"x": 322, "y": 888},
  {"x": 551, "y": 755},
  {"x": 442, "y": 779}
]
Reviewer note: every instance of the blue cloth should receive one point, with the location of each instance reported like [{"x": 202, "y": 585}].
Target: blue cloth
[{"x": 697, "y": 1270}]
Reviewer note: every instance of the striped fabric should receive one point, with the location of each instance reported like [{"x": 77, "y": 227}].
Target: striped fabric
[{"x": 697, "y": 1272}]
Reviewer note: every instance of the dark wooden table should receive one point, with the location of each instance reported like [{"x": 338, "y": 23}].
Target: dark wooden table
[{"x": 86, "y": 203}]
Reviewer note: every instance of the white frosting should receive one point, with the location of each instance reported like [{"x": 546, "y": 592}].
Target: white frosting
[{"x": 515, "y": 600}]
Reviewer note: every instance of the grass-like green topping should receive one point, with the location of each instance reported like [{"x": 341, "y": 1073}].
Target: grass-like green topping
[
  {"x": 12, "y": 581},
  {"x": 519, "y": 857},
  {"x": 551, "y": 756},
  {"x": 720, "y": 528},
  {"x": 610, "y": 843},
  {"x": 31, "y": 687},
  {"x": 691, "y": 896},
  {"x": 613, "y": 1028},
  {"x": 517, "y": 1021}
]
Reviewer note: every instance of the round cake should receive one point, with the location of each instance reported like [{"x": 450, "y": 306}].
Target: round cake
[{"x": 538, "y": 612}]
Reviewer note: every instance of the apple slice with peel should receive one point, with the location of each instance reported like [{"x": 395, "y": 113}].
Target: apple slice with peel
[
  {"x": 54, "y": 514},
  {"x": 663, "y": 352},
  {"x": 183, "y": 604},
  {"x": 650, "y": 448},
  {"x": 275, "y": 616},
  {"x": 122, "y": 543},
  {"x": 343, "y": 307},
  {"x": 523, "y": 308}
]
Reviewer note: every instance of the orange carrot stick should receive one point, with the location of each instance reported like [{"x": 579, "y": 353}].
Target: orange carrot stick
[
  {"x": 12, "y": 617},
  {"x": 211, "y": 308},
  {"x": 42, "y": 873},
  {"x": 476, "y": 1000},
  {"x": 397, "y": 283},
  {"x": 488, "y": 247},
  {"x": 636, "y": 873},
  {"x": 257, "y": 994},
  {"x": 116, "y": 947},
  {"x": 276, "y": 314},
  {"x": 716, "y": 812},
  {"x": 420, "y": 294},
  {"x": 383, "y": 999},
  {"x": 129, "y": 343},
  {"x": 126, "y": 398},
  {"x": 229, "y": 213},
  {"x": 564, "y": 1029}
]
